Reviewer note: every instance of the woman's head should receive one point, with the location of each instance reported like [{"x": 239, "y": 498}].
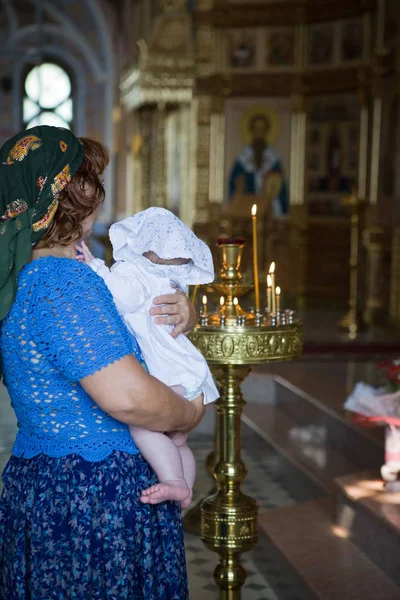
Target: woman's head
[
  {"x": 80, "y": 200},
  {"x": 50, "y": 190}
]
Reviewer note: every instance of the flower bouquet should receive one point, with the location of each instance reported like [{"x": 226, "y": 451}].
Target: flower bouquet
[{"x": 373, "y": 407}]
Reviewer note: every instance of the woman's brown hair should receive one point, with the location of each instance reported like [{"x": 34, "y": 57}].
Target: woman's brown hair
[{"x": 80, "y": 199}]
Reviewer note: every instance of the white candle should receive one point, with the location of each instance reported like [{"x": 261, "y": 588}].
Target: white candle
[
  {"x": 255, "y": 257},
  {"x": 269, "y": 292},
  {"x": 278, "y": 297},
  {"x": 204, "y": 305},
  {"x": 272, "y": 275}
]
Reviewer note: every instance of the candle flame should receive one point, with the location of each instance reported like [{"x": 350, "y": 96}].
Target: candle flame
[
  {"x": 269, "y": 281},
  {"x": 204, "y": 299},
  {"x": 278, "y": 291},
  {"x": 272, "y": 268},
  {"x": 235, "y": 301},
  {"x": 254, "y": 210},
  {"x": 222, "y": 301}
]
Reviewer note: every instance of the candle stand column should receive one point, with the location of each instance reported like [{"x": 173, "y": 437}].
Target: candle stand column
[{"x": 232, "y": 341}]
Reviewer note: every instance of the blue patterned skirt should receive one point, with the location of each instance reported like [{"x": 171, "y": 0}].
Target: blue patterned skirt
[{"x": 72, "y": 529}]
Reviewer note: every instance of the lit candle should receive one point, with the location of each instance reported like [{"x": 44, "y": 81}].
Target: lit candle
[
  {"x": 278, "y": 297},
  {"x": 221, "y": 301},
  {"x": 235, "y": 304},
  {"x": 272, "y": 274},
  {"x": 204, "y": 305},
  {"x": 255, "y": 256},
  {"x": 269, "y": 292}
]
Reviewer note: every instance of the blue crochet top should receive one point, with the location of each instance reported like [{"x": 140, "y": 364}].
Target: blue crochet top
[{"x": 62, "y": 327}]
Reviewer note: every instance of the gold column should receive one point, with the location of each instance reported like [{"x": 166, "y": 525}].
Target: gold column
[
  {"x": 363, "y": 148},
  {"x": 297, "y": 151},
  {"x": 297, "y": 243},
  {"x": 203, "y": 158},
  {"x": 158, "y": 183},
  {"x": 352, "y": 321},
  {"x": 376, "y": 284},
  {"x": 188, "y": 170},
  {"x": 209, "y": 126},
  {"x": 145, "y": 119},
  {"x": 217, "y": 159},
  {"x": 375, "y": 149}
]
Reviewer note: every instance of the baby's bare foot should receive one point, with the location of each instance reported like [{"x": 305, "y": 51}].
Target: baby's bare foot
[{"x": 166, "y": 490}]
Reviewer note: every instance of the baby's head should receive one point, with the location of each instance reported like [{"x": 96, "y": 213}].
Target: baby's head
[{"x": 154, "y": 258}]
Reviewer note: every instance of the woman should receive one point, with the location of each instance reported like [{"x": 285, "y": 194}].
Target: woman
[{"x": 71, "y": 522}]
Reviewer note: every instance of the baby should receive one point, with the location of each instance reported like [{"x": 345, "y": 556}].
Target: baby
[{"x": 153, "y": 251}]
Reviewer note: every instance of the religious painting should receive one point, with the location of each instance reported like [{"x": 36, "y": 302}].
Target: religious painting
[
  {"x": 332, "y": 155},
  {"x": 258, "y": 150},
  {"x": 321, "y": 45},
  {"x": 241, "y": 49},
  {"x": 280, "y": 46},
  {"x": 352, "y": 41}
]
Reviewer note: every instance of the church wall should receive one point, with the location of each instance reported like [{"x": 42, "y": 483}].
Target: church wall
[{"x": 87, "y": 39}]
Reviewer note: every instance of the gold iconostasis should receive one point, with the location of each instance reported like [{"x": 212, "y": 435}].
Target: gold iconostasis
[{"x": 289, "y": 105}]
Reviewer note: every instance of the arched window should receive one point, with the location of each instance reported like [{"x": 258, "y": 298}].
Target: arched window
[{"x": 48, "y": 97}]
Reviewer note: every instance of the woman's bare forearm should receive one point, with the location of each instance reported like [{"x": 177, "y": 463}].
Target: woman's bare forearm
[
  {"x": 157, "y": 407},
  {"x": 129, "y": 394}
]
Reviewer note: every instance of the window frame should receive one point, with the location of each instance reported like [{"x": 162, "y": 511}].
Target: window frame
[{"x": 28, "y": 67}]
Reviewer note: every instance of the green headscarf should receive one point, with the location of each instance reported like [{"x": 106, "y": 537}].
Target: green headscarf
[{"x": 35, "y": 166}]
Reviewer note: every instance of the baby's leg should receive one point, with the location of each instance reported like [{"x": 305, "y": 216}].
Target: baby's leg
[
  {"x": 188, "y": 463},
  {"x": 164, "y": 457}
]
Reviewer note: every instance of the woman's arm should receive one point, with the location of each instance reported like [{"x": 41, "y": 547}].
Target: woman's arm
[
  {"x": 125, "y": 391},
  {"x": 80, "y": 332},
  {"x": 178, "y": 311}
]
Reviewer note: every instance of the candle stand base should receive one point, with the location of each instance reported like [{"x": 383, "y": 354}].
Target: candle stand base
[{"x": 229, "y": 517}]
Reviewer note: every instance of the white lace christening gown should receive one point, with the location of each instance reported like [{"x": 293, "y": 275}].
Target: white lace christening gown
[{"x": 175, "y": 362}]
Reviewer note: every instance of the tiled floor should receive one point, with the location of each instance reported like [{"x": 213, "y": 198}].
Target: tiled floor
[{"x": 271, "y": 480}]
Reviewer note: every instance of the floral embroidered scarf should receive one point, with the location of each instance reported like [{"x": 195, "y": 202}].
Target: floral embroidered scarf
[{"x": 35, "y": 166}]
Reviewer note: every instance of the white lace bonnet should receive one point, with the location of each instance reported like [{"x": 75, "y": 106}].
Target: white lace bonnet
[{"x": 159, "y": 230}]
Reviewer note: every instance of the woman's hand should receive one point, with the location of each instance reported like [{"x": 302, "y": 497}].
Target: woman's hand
[{"x": 177, "y": 310}]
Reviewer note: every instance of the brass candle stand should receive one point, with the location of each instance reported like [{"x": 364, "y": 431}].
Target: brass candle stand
[
  {"x": 232, "y": 341},
  {"x": 352, "y": 321}
]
